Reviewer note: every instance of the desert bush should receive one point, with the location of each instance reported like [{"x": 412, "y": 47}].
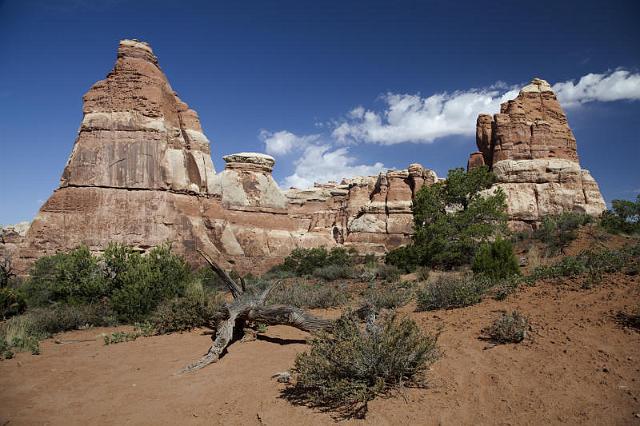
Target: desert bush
[
  {"x": 308, "y": 295},
  {"x": 346, "y": 369},
  {"x": 557, "y": 232},
  {"x": 404, "y": 258},
  {"x": 623, "y": 218},
  {"x": 389, "y": 273},
  {"x": 133, "y": 283},
  {"x": 509, "y": 328},
  {"x": 304, "y": 261},
  {"x": 452, "y": 292},
  {"x": 333, "y": 272},
  {"x": 593, "y": 263},
  {"x": 140, "y": 282},
  {"x": 23, "y": 332},
  {"x": 506, "y": 286},
  {"x": 186, "y": 313},
  {"x": 496, "y": 260},
  {"x": 75, "y": 277},
  {"x": 12, "y": 302},
  {"x": 389, "y": 295}
]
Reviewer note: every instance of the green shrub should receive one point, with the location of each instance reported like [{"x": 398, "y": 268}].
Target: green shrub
[
  {"x": 304, "y": 261},
  {"x": 404, "y": 258},
  {"x": 452, "y": 292},
  {"x": 186, "y": 313},
  {"x": 389, "y": 296},
  {"x": 344, "y": 370},
  {"x": 389, "y": 273},
  {"x": 593, "y": 263},
  {"x": 557, "y": 232},
  {"x": 12, "y": 302},
  {"x": 75, "y": 277},
  {"x": 133, "y": 283},
  {"x": 509, "y": 328},
  {"x": 623, "y": 218},
  {"x": 23, "y": 332},
  {"x": 333, "y": 272},
  {"x": 496, "y": 260},
  {"x": 307, "y": 295},
  {"x": 140, "y": 282}
]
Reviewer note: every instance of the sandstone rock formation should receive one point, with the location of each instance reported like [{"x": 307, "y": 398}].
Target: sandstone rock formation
[
  {"x": 532, "y": 151},
  {"x": 140, "y": 173}
]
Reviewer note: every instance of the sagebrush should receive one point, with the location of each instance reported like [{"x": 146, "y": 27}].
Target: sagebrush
[{"x": 347, "y": 368}]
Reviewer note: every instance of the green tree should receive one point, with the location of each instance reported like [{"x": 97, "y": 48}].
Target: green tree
[
  {"x": 451, "y": 218},
  {"x": 496, "y": 260},
  {"x": 624, "y": 217}
]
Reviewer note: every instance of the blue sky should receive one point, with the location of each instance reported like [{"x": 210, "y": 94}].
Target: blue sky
[{"x": 327, "y": 87}]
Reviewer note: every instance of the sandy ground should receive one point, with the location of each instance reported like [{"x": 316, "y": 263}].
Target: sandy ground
[{"x": 578, "y": 367}]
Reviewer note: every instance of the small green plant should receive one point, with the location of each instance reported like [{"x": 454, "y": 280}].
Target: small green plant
[
  {"x": 346, "y": 369},
  {"x": 556, "y": 232},
  {"x": 506, "y": 286},
  {"x": 496, "y": 260},
  {"x": 452, "y": 292},
  {"x": 389, "y": 295},
  {"x": 509, "y": 328},
  {"x": 333, "y": 272}
]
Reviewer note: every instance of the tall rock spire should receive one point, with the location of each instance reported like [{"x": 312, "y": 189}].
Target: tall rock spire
[
  {"x": 531, "y": 149},
  {"x": 137, "y": 133}
]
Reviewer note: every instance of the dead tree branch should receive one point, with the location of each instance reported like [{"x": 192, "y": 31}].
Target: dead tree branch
[{"x": 248, "y": 307}]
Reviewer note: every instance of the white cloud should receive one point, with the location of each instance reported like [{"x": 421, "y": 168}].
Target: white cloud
[
  {"x": 319, "y": 163},
  {"x": 613, "y": 86},
  {"x": 412, "y": 118},
  {"x": 283, "y": 142}
]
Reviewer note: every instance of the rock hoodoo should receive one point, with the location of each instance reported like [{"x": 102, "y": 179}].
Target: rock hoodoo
[
  {"x": 140, "y": 173},
  {"x": 532, "y": 151}
]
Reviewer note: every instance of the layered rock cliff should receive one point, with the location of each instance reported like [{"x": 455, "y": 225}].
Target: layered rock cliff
[
  {"x": 140, "y": 173},
  {"x": 531, "y": 149}
]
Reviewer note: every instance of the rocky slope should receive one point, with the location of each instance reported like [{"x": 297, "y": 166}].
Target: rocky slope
[{"x": 531, "y": 149}]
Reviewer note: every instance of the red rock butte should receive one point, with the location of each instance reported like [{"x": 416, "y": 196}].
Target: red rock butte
[{"x": 140, "y": 173}]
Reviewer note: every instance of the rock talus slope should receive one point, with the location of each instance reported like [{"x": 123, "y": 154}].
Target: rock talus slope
[{"x": 531, "y": 149}]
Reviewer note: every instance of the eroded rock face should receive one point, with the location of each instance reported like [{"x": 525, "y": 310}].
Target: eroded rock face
[
  {"x": 140, "y": 174},
  {"x": 137, "y": 133},
  {"x": 532, "y": 151}
]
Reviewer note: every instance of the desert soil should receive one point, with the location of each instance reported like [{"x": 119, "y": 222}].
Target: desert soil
[{"x": 579, "y": 366}]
